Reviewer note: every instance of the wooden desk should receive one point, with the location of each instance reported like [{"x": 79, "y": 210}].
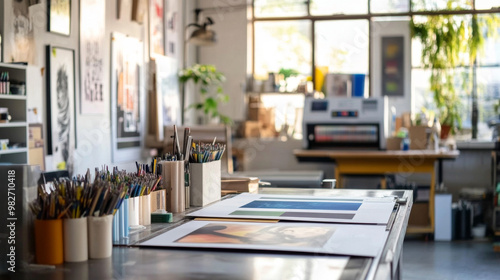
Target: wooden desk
[{"x": 384, "y": 162}]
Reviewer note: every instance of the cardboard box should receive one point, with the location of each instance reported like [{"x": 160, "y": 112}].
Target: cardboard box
[
  {"x": 35, "y": 136},
  {"x": 36, "y": 157},
  {"x": 250, "y": 129},
  {"x": 393, "y": 143},
  {"x": 418, "y": 137},
  {"x": 419, "y": 215}
]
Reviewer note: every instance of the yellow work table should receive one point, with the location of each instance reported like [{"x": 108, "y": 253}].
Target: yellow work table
[{"x": 384, "y": 162}]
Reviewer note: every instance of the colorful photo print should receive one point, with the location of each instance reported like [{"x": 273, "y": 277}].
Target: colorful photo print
[
  {"x": 306, "y": 205},
  {"x": 256, "y": 234}
]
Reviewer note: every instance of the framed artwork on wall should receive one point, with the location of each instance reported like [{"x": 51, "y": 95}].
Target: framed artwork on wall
[
  {"x": 139, "y": 10},
  {"x": 393, "y": 66},
  {"x": 156, "y": 28},
  {"x": 92, "y": 19},
  {"x": 126, "y": 97},
  {"x": 18, "y": 40},
  {"x": 173, "y": 28},
  {"x": 61, "y": 120},
  {"x": 59, "y": 16}
]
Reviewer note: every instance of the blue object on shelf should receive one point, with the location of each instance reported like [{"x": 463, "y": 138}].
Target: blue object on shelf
[{"x": 358, "y": 85}]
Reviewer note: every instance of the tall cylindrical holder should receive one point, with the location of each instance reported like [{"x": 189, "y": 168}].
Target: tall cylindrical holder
[
  {"x": 100, "y": 237},
  {"x": 49, "y": 242},
  {"x": 75, "y": 240},
  {"x": 146, "y": 209},
  {"x": 174, "y": 170},
  {"x": 125, "y": 208},
  {"x": 133, "y": 211}
]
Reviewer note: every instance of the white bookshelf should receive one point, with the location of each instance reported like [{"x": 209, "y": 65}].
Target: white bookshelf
[{"x": 16, "y": 130}]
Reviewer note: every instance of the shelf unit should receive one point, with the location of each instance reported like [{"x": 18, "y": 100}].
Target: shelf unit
[{"x": 16, "y": 130}]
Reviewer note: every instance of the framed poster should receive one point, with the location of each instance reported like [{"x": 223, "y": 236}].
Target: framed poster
[
  {"x": 124, "y": 10},
  {"x": 167, "y": 88},
  {"x": 156, "y": 28},
  {"x": 126, "y": 97},
  {"x": 61, "y": 139},
  {"x": 393, "y": 66},
  {"x": 139, "y": 10},
  {"x": 172, "y": 28},
  {"x": 59, "y": 16},
  {"x": 92, "y": 19},
  {"x": 18, "y": 40}
]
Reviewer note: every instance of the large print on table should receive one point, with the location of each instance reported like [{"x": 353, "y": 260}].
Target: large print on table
[
  {"x": 321, "y": 238},
  {"x": 302, "y": 208},
  {"x": 92, "y": 19},
  {"x": 126, "y": 80},
  {"x": 61, "y": 107}
]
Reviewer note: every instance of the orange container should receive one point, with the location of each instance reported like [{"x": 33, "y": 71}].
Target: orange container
[{"x": 49, "y": 241}]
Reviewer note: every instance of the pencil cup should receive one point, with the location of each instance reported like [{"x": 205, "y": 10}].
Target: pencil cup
[
  {"x": 125, "y": 218},
  {"x": 100, "y": 237},
  {"x": 173, "y": 182},
  {"x": 158, "y": 200},
  {"x": 133, "y": 211},
  {"x": 75, "y": 240},
  {"x": 49, "y": 241},
  {"x": 205, "y": 182},
  {"x": 145, "y": 210}
]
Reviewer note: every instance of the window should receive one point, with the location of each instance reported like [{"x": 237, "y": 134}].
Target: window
[
  {"x": 280, "y": 8},
  {"x": 342, "y": 45},
  {"x": 330, "y": 7},
  {"x": 333, "y": 36},
  {"x": 436, "y": 5},
  {"x": 282, "y": 44},
  {"x": 389, "y": 6}
]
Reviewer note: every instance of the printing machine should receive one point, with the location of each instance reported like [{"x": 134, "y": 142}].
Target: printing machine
[{"x": 345, "y": 123}]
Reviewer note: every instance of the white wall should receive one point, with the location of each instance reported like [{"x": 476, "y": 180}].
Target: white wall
[
  {"x": 229, "y": 54},
  {"x": 386, "y": 29}
]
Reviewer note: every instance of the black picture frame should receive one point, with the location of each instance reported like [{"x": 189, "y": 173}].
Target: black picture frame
[
  {"x": 59, "y": 17},
  {"x": 60, "y": 61}
]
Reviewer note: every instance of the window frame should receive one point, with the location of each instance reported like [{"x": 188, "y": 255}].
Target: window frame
[{"x": 370, "y": 16}]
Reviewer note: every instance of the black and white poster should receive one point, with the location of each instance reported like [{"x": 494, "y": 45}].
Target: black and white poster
[
  {"x": 61, "y": 107},
  {"x": 91, "y": 56}
]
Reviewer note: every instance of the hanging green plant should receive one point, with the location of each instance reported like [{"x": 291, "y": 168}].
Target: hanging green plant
[
  {"x": 449, "y": 41},
  {"x": 211, "y": 93}
]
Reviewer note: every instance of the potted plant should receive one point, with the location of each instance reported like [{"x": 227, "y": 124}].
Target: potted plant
[
  {"x": 445, "y": 39},
  {"x": 209, "y": 80}
]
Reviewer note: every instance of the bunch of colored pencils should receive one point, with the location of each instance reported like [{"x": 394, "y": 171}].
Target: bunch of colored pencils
[
  {"x": 201, "y": 153},
  {"x": 65, "y": 198}
]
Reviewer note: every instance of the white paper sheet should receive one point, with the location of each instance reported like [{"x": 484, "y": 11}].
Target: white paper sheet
[
  {"x": 317, "y": 238},
  {"x": 353, "y": 210}
]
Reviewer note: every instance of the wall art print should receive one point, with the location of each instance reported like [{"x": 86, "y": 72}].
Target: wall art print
[
  {"x": 61, "y": 121},
  {"x": 156, "y": 27},
  {"x": 92, "y": 19},
  {"x": 126, "y": 101},
  {"x": 59, "y": 16}
]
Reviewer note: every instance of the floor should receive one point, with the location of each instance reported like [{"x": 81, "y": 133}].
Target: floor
[{"x": 450, "y": 260}]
